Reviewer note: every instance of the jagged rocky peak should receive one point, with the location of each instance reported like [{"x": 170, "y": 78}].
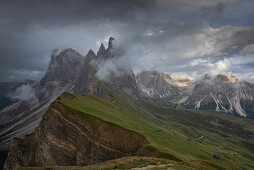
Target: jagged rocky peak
[
  {"x": 102, "y": 50},
  {"x": 90, "y": 53},
  {"x": 156, "y": 84},
  {"x": 110, "y": 42},
  {"x": 181, "y": 81},
  {"x": 89, "y": 57},
  {"x": 147, "y": 74},
  {"x": 173, "y": 80},
  {"x": 110, "y": 49},
  {"x": 148, "y": 79},
  {"x": 68, "y": 53},
  {"x": 226, "y": 78},
  {"x": 104, "y": 53},
  {"x": 63, "y": 66}
]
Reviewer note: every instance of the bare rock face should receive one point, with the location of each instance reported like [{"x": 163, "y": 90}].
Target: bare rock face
[
  {"x": 64, "y": 67},
  {"x": 63, "y": 70},
  {"x": 102, "y": 51},
  {"x": 63, "y": 138},
  {"x": 156, "y": 84},
  {"x": 221, "y": 93},
  {"x": 110, "y": 53},
  {"x": 124, "y": 84}
]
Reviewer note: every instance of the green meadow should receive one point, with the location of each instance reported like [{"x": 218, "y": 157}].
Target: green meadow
[{"x": 187, "y": 137}]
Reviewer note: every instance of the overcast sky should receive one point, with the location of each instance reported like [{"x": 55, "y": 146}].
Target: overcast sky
[{"x": 180, "y": 37}]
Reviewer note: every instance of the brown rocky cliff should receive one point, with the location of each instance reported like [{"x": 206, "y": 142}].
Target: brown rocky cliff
[{"x": 64, "y": 138}]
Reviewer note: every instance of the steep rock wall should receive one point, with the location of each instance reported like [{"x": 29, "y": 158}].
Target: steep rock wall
[{"x": 64, "y": 138}]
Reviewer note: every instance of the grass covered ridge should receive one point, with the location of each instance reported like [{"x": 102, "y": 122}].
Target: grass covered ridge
[{"x": 179, "y": 132}]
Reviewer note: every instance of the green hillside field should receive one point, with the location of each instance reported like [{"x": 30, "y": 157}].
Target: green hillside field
[{"x": 187, "y": 137}]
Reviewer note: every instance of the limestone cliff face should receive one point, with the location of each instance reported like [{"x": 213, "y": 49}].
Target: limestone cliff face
[
  {"x": 223, "y": 92},
  {"x": 156, "y": 84},
  {"x": 64, "y": 138}
]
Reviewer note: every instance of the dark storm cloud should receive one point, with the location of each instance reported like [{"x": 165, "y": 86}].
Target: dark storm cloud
[
  {"x": 30, "y": 29},
  {"x": 166, "y": 35},
  {"x": 55, "y": 12}
]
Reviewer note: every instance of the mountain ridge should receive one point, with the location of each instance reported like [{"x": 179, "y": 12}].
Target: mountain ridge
[
  {"x": 68, "y": 71},
  {"x": 223, "y": 92},
  {"x": 50, "y": 142}
]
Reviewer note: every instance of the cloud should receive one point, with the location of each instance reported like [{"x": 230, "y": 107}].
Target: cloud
[
  {"x": 186, "y": 50},
  {"x": 249, "y": 76},
  {"x": 108, "y": 68},
  {"x": 166, "y": 35},
  {"x": 24, "y": 92},
  {"x": 219, "y": 67},
  {"x": 249, "y": 49},
  {"x": 197, "y": 3},
  {"x": 191, "y": 50},
  {"x": 116, "y": 65}
]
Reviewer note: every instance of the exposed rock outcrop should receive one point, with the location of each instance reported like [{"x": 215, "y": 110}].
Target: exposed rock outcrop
[
  {"x": 156, "y": 84},
  {"x": 64, "y": 138},
  {"x": 223, "y": 92},
  {"x": 62, "y": 72}
]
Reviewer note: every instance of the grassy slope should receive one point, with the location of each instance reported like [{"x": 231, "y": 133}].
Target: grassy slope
[
  {"x": 182, "y": 142},
  {"x": 133, "y": 162},
  {"x": 235, "y": 148}
]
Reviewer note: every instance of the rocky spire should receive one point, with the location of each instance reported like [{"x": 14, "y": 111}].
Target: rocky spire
[
  {"x": 103, "y": 53},
  {"x": 102, "y": 50},
  {"x": 90, "y": 56},
  {"x": 110, "y": 48},
  {"x": 90, "y": 53},
  {"x": 110, "y": 42}
]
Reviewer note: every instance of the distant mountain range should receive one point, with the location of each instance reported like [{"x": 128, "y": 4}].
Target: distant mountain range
[
  {"x": 223, "y": 92},
  {"x": 71, "y": 72}
]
